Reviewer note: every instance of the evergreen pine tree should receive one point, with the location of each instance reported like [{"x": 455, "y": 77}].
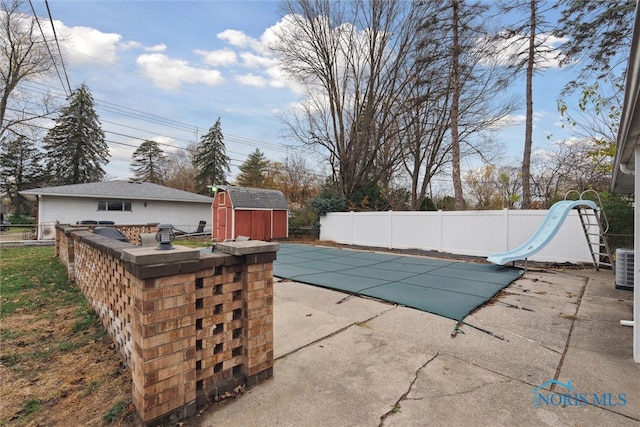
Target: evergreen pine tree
[
  {"x": 149, "y": 163},
  {"x": 20, "y": 169},
  {"x": 76, "y": 147},
  {"x": 252, "y": 171},
  {"x": 211, "y": 159}
]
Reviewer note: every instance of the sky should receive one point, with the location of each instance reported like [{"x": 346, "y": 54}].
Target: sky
[{"x": 167, "y": 70}]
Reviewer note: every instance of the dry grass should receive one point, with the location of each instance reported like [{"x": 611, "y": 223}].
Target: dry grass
[{"x": 57, "y": 364}]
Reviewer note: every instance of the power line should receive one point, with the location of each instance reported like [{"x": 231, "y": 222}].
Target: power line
[
  {"x": 46, "y": 43},
  {"x": 182, "y": 151},
  {"x": 55, "y": 37},
  {"x": 167, "y": 122}
]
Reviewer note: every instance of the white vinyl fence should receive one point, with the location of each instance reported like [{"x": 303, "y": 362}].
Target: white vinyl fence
[{"x": 476, "y": 233}]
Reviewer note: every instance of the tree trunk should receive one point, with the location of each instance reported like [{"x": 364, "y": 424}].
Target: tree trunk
[
  {"x": 455, "y": 138},
  {"x": 528, "y": 133}
]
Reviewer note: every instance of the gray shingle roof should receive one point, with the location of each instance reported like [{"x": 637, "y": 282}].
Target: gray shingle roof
[
  {"x": 119, "y": 189},
  {"x": 255, "y": 198}
]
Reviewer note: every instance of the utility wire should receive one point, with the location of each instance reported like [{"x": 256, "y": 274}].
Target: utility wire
[
  {"x": 55, "y": 37},
  {"x": 46, "y": 43},
  {"x": 167, "y": 122}
]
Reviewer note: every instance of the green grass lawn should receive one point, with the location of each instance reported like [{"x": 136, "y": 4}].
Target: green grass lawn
[{"x": 32, "y": 277}]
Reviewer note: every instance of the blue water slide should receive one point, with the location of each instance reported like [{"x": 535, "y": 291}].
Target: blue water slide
[{"x": 543, "y": 235}]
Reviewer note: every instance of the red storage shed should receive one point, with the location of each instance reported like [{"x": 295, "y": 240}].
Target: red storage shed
[{"x": 253, "y": 212}]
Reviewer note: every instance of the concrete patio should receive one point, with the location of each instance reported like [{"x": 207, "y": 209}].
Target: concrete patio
[{"x": 368, "y": 363}]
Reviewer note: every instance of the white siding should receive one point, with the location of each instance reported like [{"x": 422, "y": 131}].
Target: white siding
[
  {"x": 477, "y": 233},
  {"x": 70, "y": 210}
]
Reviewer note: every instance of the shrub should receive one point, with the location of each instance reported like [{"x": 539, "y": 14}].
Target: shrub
[{"x": 19, "y": 219}]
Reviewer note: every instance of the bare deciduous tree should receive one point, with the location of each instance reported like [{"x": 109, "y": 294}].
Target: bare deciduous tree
[
  {"x": 573, "y": 164},
  {"x": 348, "y": 56},
  {"x": 25, "y": 55},
  {"x": 477, "y": 84},
  {"x": 493, "y": 187},
  {"x": 529, "y": 40},
  {"x": 179, "y": 170},
  {"x": 425, "y": 113},
  {"x": 297, "y": 181}
]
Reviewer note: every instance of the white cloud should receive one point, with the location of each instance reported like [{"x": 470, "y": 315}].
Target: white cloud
[
  {"x": 251, "y": 80},
  {"x": 168, "y": 73},
  {"x": 168, "y": 144},
  {"x": 256, "y": 61},
  {"x": 82, "y": 45},
  {"x": 157, "y": 48},
  {"x": 508, "y": 51},
  {"x": 239, "y": 39},
  {"x": 542, "y": 154},
  {"x": 254, "y": 54},
  {"x": 217, "y": 58},
  {"x": 121, "y": 152},
  {"x": 510, "y": 120},
  {"x": 129, "y": 45}
]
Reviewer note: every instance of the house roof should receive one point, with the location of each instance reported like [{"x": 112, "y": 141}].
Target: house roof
[
  {"x": 131, "y": 190},
  {"x": 629, "y": 133},
  {"x": 255, "y": 198}
]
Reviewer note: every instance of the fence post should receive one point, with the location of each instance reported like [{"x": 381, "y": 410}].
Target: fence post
[
  {"x": 351, "y": 227},
  {"x": 440, "y": 230},
  {"x": 505, "y": 229},
  {"x": 390, "y": 229}
]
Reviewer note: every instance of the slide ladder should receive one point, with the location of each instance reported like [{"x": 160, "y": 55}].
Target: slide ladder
[{"x": 595, "y": 225}]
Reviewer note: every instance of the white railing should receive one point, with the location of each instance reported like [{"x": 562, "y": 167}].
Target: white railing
[{"x": 476, "y": 233}]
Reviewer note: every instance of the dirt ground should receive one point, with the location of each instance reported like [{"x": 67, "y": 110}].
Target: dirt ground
[{"x": 51, "y": 377}]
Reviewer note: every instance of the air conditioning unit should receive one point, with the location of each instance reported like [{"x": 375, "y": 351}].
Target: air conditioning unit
[{"x": 624, "y": 269}]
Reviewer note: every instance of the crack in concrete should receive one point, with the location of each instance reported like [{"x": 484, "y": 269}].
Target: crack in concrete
[
  {"x": 566, "y": 345},
  {"x": 534, "y": 342},
  {"x": 471, "y": 390},
  {"x": 396, "y": 407},
  {"x": 489, "y": 370},
  {"x": 336, "y": 332}
]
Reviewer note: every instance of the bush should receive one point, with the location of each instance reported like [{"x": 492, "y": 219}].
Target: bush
[
  {"x": 301, "y": 222},
  {"x": 19, "y": 219},
  {"x": 618, "y": 209},
  {"x": 323, "y": 205}
]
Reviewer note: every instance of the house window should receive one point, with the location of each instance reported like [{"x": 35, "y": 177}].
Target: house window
[{"x": 114, "y": 205}]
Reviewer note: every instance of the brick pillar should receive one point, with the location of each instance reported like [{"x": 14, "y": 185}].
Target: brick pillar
[
  {"x": 258, "y": 316},
  {"x": 164, "y": 340},
  {"x": 256, "y": 259}
]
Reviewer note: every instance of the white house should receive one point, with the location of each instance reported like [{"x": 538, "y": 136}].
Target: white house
[
  {"x": 625, "y": 177},
  {"x": 118, "y": 202}
]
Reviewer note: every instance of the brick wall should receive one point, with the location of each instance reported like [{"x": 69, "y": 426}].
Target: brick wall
[
  {"x": 132, "y": 231},
  {"x": 190, "y": 325}
]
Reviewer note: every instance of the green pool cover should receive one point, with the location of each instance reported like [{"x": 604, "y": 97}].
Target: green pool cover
[{"x": 447, "y": 288}]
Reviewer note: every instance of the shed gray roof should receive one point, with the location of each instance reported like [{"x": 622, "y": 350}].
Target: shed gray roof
[
  {"x": 255, "y": 198},
  {"x": 119, "y": 190}
]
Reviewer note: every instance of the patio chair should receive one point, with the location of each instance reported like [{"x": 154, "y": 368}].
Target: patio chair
[{"x": 199, "y": 231}]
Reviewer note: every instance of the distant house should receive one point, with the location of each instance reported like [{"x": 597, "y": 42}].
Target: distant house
[
  {"x": 251, "y": 212},
  {"x": 117, "y": 202}
]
